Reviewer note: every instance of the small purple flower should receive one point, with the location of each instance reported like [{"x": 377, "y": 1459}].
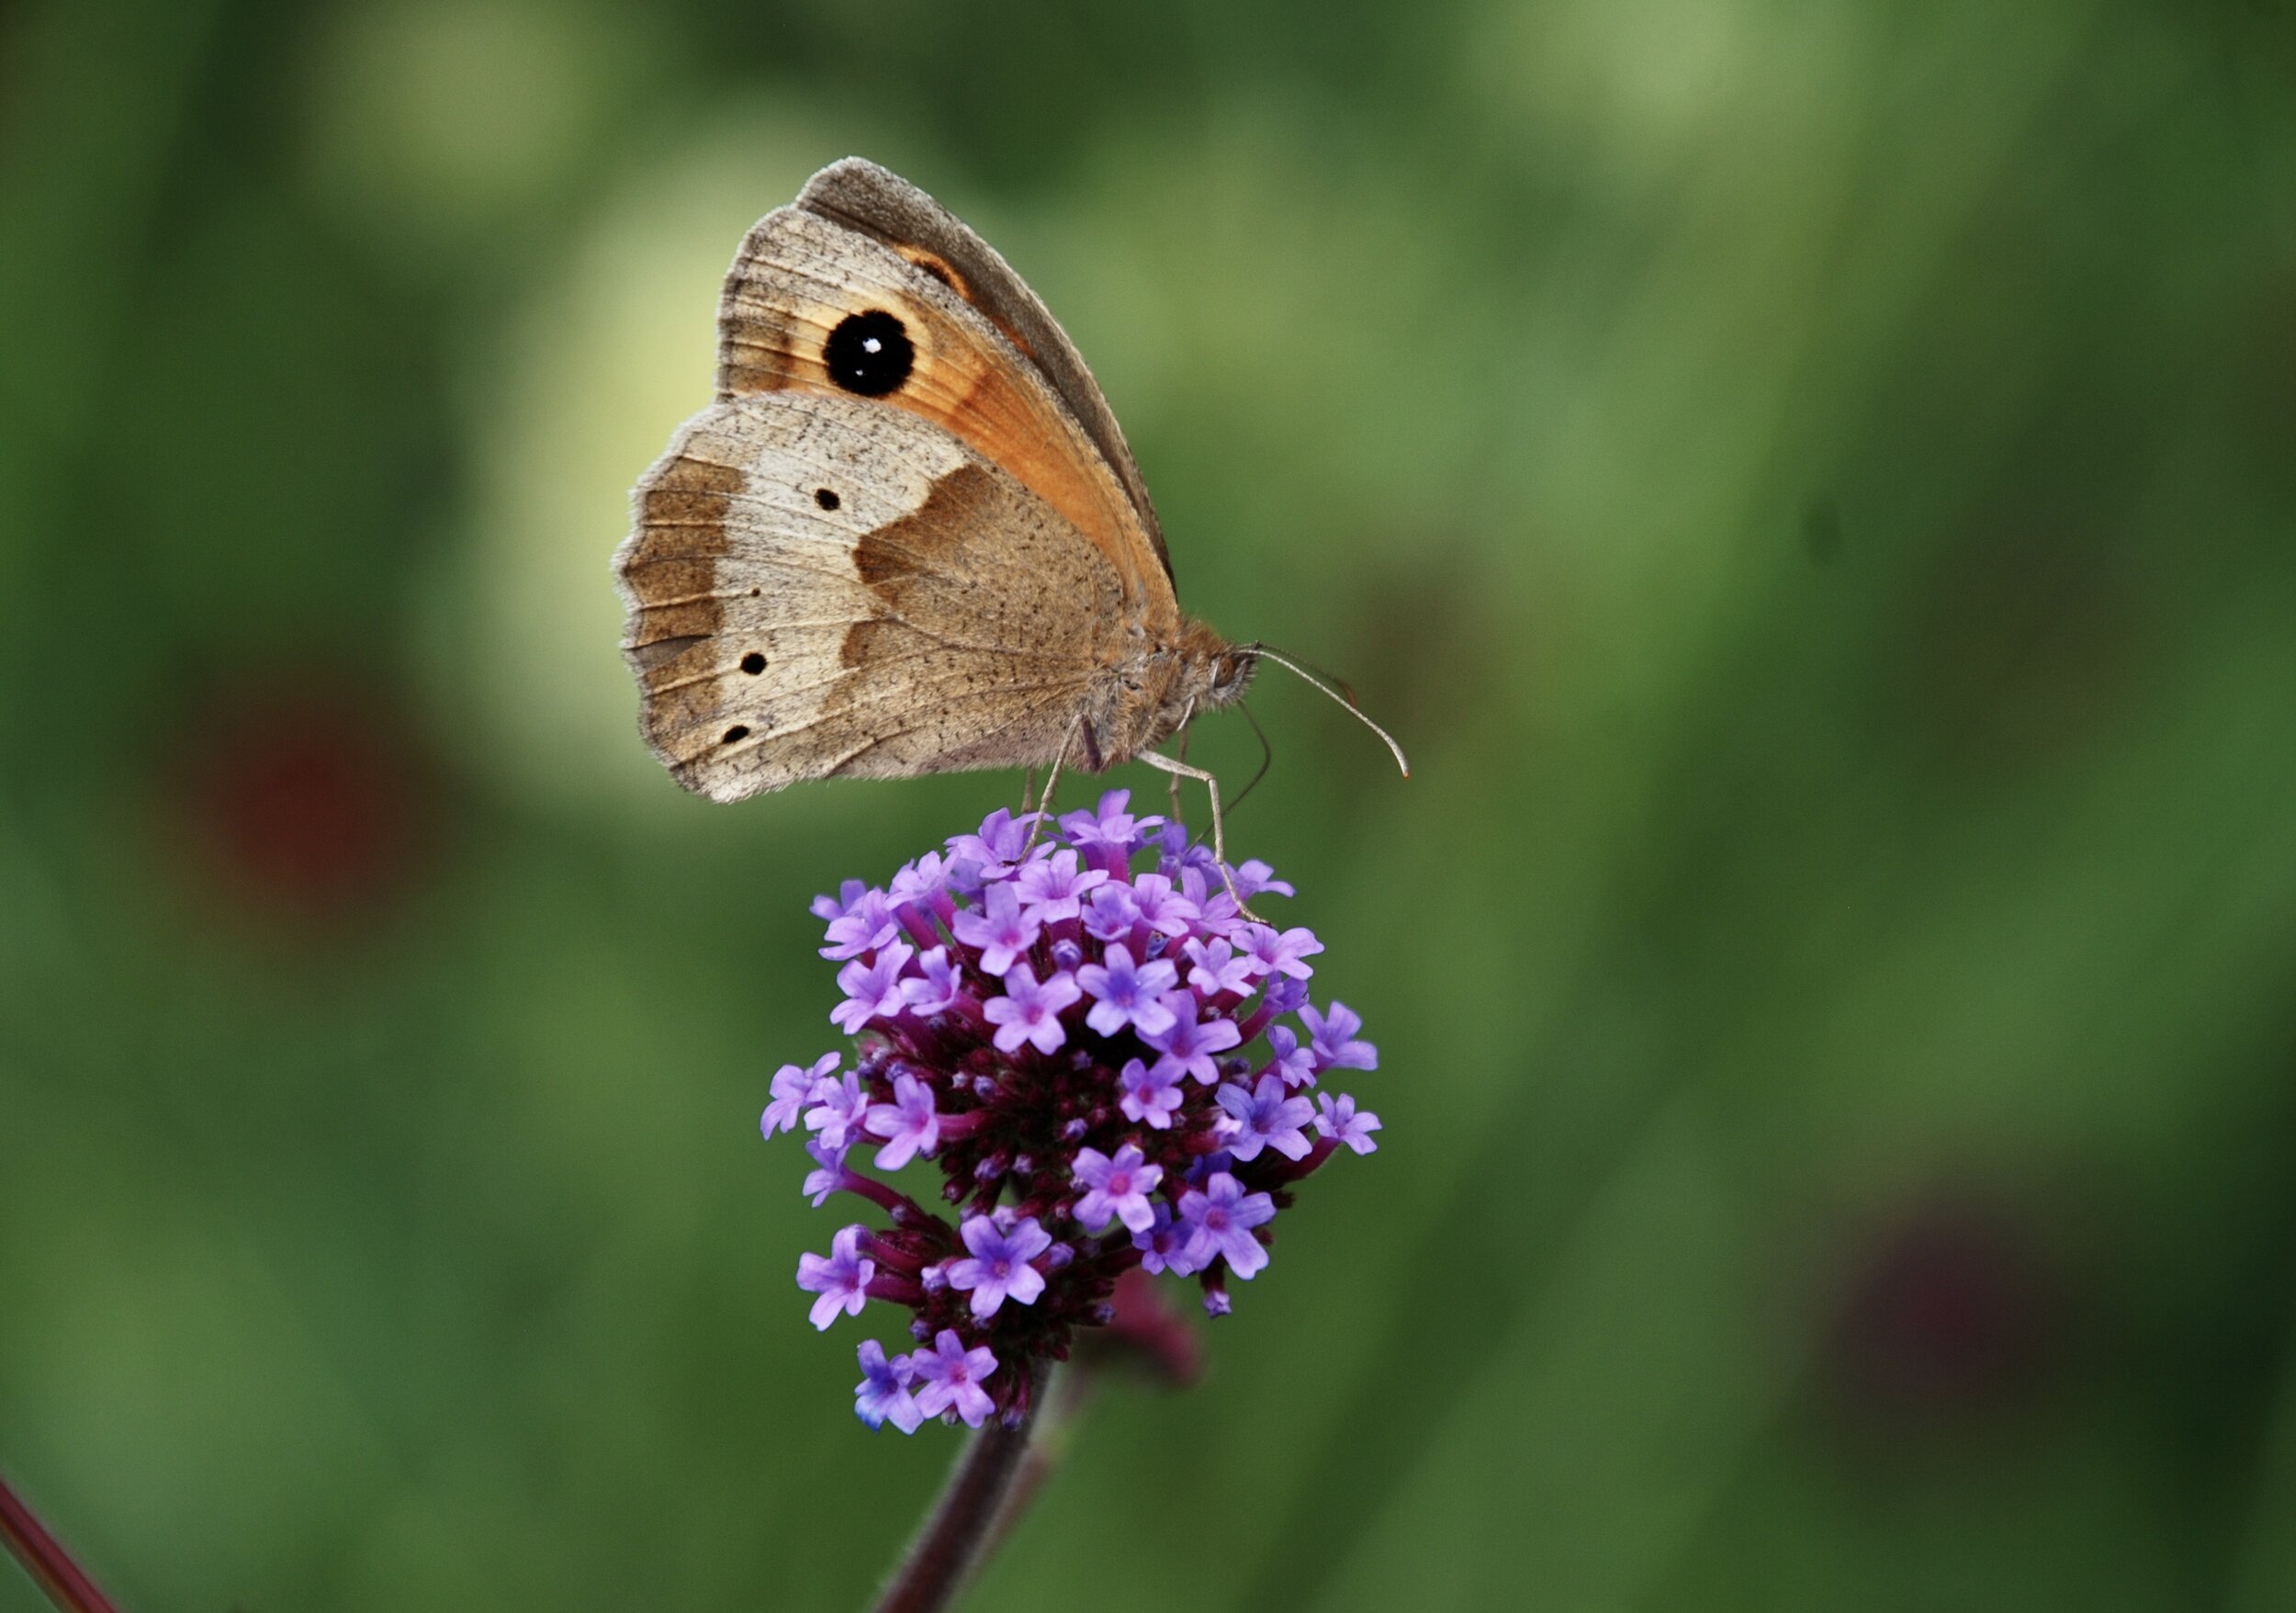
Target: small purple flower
[
  {"x": 1217, "y": 911},
  {"x": 828, "y": 1175},
  {"x": 1332, "y": 1037},
  {"x": 1053, "y": 887},
  {"x": 1163, "y": 1245},
  {"x": 952, "y": 1376},
  {"x": 1202, "y": 1169},
  {"x": 1255, "y": 876},
  {"x": 1217, "y": 969},
  {"x": 1029, "y": 1012},
  {"x": 882, "y": 1396},
  {"x": 837, "y": 1112},
  {"x": 920, "y": 882},
  {"x": 1001, "y": 929},
  {"x": 1110, "y": 913},
  {"x": 1187, "y": 1045},
  {"x": 830, "y": 909},
  {"x": 936, "y": 987},
  {"x": 793, "y": 1089},
  {"x": 1160, "y": 907},
  {"x": 1283, "y": 995},
  {"x": 1277, "y": 953},
  {"x": 908, "y": 1123},
  {"x": 867, "y": 923},
  {"x": 1269, "y": 1118},
  {"x": 1176, "y": 851},
  {"x": 1002, "y": 842},
  {"x": 1149, "y": 1095},
  {"x": 1120, "y": 1187},
  {"x": 999, "y": 1267},
  {"x": 840, "y": 1280},
  {"x": 1127, "y": 994},
  {"x": 1341, "y": 1122},
  {"x": 873, "y": 991},
  {"x": 1109, "y": 825},
  {"x": 1294, "y": 1063},
  {"x": 1219, "y": 1221}
]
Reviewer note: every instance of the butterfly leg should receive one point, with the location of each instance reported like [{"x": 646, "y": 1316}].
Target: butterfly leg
[
  {"x": 1176, "y": 777},
  {"x": 1180, "y": 769},
  {"x": 1051, "y": 781}
]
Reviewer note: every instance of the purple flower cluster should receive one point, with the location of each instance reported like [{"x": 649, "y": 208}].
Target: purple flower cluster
[{"x": 1079, "y": 1025}]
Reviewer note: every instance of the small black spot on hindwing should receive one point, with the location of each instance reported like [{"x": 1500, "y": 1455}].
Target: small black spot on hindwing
[
  {"x": 825, "y": 497},
  {"x": 868, "y": 353},
  {"x": 738, "y": 732},
  {"x": 753, "y": 663}
]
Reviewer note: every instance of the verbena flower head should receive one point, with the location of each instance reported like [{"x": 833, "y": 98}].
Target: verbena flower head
[{"x": 1077, "y": 1027}]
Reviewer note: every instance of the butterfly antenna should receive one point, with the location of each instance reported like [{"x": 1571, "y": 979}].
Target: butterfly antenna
[
  {"x": 1267, "y": 758},
  {"x": 1294, "y": 667}
]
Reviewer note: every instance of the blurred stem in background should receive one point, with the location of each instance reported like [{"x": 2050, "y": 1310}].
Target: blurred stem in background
[{"x": 45, "y": 1559}]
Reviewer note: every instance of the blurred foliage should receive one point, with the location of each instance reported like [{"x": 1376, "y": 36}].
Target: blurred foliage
[{"x": 1811, "y": 482}]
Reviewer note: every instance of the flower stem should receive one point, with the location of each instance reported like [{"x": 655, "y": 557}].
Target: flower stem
[
  {"x": 1062, "y": 1402},
  {"x": 970, "y": 1517},
  {"x": 45, "y": 1559}
]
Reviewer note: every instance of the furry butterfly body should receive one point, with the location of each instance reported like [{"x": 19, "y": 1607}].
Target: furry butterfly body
[{"x": 907, "y": 537}]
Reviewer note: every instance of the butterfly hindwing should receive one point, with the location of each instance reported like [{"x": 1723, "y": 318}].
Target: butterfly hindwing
[{"x": 822, "y": 586}]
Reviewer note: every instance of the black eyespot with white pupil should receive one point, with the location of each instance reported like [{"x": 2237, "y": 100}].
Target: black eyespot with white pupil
[{"x": 868, "y": 353}]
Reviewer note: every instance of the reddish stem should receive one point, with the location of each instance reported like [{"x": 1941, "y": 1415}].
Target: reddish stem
[
  {"x": 45, "y": 1559},
  {"x": 970, "y": 1517},
  {"x": 906, "y": 1213},
  {"x": 1063, "y": 1404}
]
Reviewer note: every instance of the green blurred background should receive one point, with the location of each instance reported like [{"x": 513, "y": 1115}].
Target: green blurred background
[{"x": 1814, "y": 486}]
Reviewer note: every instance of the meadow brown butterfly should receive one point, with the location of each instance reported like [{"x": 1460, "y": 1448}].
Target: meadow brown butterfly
[{"x": 907, "y": 537}]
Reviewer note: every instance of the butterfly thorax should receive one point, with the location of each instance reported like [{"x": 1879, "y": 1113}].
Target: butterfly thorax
[{"x": 1146, "y": 699}]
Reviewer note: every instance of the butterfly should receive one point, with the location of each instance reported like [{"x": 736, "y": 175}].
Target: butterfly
[{"x": 908, "y": 536}]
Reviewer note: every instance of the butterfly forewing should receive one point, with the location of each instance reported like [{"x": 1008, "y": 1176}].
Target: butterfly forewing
[
  {"x": 883, "y": 205},
  {"x": 804, "y": 284}
]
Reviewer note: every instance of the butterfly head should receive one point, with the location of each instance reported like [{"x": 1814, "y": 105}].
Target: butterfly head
[
  {"x": 1231, "y": 671},
  {"x": 1207, "y": 673}
]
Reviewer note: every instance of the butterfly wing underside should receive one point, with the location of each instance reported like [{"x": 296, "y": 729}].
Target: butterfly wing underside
[{"x": 821, "y": 586}]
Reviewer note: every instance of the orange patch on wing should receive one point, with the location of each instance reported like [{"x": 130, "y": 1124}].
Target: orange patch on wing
[{"x": 939, "y": 269}]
